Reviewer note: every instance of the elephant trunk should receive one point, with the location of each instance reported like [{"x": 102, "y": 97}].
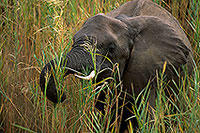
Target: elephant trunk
[
  {"x": 76, "y": 60},
  {"x": 48, "y": 85}
]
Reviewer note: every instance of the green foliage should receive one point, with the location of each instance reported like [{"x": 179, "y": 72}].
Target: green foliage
[{"x": 34, "y": 32}]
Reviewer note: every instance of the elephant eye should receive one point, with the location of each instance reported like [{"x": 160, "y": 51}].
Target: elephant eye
[{"x": 111, "y": 47}]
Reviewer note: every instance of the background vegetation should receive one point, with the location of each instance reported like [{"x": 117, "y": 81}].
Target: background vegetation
[{"x": 36, "y": 31}]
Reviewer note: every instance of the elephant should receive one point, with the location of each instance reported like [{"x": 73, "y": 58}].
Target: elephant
[{"x": 140, "y": 36}]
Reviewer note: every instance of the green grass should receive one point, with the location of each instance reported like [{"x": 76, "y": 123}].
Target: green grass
[{"x": 34, "y": 32}]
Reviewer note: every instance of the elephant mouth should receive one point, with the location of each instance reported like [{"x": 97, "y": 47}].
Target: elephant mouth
[{"x": 101, "y": 66}]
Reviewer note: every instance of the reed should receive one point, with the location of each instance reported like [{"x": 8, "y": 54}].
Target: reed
[{"x": 34, "y": 32}]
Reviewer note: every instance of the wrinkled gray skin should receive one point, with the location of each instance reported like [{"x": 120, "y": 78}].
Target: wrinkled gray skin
[{"x": 140, "y": 36}]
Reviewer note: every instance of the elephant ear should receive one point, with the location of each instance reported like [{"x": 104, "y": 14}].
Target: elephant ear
[{"x": 154, "y": 42}]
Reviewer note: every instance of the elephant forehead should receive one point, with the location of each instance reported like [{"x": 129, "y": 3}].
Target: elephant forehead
[
  {"x": 101, "y": 19},
  {"x": 100, "y": 26},
  {"x": 100, "y": 35}
]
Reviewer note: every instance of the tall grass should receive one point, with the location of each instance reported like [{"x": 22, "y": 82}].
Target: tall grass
[{"x": 34, "y": 32}]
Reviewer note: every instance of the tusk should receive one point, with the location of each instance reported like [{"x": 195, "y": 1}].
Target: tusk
[{"x": 91, "y": 76}]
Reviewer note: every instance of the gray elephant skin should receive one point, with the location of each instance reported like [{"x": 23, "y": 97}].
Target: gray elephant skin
[{"x": 140, "y": 36}]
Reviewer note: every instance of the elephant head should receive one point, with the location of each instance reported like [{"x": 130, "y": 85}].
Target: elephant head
[{"x": 109, "y": 36}]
